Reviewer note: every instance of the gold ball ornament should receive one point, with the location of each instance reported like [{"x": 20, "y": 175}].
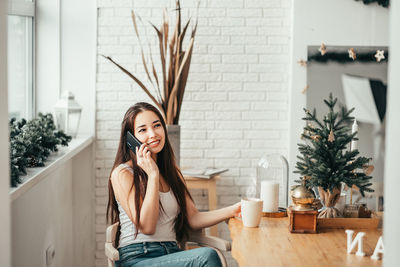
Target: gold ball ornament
[{"x": 302, "y": 198}]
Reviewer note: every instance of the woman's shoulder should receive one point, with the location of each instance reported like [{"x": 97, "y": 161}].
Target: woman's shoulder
[
  {"x": 126, "y": 166},
  {"x": 122, "y": 170},
  {"x": 121, "y": 178}
]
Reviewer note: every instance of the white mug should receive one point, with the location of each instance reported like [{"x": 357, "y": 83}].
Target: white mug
[{"x": 251, "y": 211}]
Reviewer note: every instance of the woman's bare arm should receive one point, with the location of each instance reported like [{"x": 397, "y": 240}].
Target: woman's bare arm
[
  {"x": 122, "y": 181},
  {"x": 198, "y": 220}
]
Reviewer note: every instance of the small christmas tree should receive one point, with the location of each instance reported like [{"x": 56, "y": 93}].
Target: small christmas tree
[{"x": 325, "y": 161}]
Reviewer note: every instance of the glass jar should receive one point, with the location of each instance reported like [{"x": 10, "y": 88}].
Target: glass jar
[{"x": 272, "y": 176}]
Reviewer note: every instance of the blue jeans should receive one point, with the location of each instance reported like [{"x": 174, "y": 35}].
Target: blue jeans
[{"x": 166, "y": 254}]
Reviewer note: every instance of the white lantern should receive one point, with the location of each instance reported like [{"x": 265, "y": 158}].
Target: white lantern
[{"x": 68, "y": 114}]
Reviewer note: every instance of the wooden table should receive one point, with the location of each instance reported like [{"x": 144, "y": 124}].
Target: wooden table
[
  {"x": 272, "y": 244},
  {"x": 211, "y": 186}
]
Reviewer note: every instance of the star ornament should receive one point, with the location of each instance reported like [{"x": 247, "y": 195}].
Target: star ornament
[
  {"x": 302, "y": 62},
  {"x": 352, "y": 54},
  {"x": 322, "y": 49},
  {"x": 380, "y": 54}
]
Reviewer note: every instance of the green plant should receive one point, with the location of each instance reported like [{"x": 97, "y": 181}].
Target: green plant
[
  {"x": 31, "y": 143},
  {"x": 175, "y": 64},
  {"x": 325, "y": 160}
]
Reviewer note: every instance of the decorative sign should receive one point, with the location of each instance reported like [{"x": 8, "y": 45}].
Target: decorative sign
[
  {"x": 351, "y": 55},
  {"x": 359, "y": 240}
]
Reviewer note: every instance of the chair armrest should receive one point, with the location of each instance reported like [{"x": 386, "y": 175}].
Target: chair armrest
[
  {"x": 111, "y": 232},
  {"x": 111, "y": 252},
  {"x": 211, "y": 241}
]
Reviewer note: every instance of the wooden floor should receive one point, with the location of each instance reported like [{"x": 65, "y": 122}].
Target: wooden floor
[{"x": 272, "y": 244}]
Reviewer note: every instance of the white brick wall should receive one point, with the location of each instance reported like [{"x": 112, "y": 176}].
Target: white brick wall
[{"x": 236, "y": 100}]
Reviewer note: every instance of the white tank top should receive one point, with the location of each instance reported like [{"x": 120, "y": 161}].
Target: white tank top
[{"x": 165, "y": 225}]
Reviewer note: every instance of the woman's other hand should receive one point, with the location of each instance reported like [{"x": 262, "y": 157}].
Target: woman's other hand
[
  {"x": 237, "y": 210},
  {"x": 146, "y": 162}
]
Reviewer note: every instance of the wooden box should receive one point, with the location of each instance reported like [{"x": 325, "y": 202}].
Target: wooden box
[{"x": 302, "y": 221}]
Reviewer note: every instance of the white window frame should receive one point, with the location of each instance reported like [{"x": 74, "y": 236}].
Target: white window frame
[{"x": 26, "y": 8}]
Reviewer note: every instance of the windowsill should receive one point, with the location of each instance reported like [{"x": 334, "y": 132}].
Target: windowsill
[{"x": 35, "y": 175}]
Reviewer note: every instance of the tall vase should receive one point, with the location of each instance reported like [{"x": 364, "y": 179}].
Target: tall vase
[
  {"x": 174, "y": 136},
  {"x": 329, "y": 199}
]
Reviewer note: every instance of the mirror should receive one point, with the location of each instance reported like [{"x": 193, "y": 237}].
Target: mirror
[{"x": 359, "y": 83}]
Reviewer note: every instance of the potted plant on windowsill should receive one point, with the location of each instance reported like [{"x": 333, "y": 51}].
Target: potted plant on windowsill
[{"x": 169, "y": 84}]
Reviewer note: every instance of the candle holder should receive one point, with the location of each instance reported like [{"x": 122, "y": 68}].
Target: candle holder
[{"x": 272, "y": 184}]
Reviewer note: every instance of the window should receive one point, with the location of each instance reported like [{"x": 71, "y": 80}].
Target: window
[{"x": 21, "y": 16}]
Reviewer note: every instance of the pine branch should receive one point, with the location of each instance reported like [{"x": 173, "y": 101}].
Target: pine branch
[{"x": 31, "y": 143}]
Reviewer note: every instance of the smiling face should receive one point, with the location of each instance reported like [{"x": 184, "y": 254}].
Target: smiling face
[{"x": 149, "y": 130}]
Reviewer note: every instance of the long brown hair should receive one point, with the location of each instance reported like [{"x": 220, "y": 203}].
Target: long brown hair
[{"x": 167, "y": 167}]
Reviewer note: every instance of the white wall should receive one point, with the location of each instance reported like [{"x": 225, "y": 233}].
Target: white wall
[
  {"x": 236, "y": 100},
  {"x": 5, "y": 258},
  {"x": 392, "y": 178},
  {"x": 47, "y": 54},
  {"x": 57, "y": 212},
  {"x": 78, "y": 56},
  {"x": 332, "y": 23},
  {"x": 66, "y": 50}
]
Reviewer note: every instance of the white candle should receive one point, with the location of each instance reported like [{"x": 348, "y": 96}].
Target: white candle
[
  {"x": 269, "y": 194},
  {"x": 354, "y": 129}
]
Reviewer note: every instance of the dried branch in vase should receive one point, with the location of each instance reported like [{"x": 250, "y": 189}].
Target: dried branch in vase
[{"x": 175, "y": 64}]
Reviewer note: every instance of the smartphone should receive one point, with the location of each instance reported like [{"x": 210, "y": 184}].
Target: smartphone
[{"x": 132, "y": 142}]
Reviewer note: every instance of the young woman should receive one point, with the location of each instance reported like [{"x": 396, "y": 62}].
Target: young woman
[{"x": 149, "y": 199}]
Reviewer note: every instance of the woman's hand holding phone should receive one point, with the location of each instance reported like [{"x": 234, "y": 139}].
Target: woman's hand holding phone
[{"x": 146, "y": 162}]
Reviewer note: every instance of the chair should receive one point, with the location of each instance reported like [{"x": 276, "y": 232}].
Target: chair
[{"x": 197, "y": 237}]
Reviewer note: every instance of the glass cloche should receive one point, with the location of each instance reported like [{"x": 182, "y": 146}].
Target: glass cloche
[{"x": 273, "y": 169}]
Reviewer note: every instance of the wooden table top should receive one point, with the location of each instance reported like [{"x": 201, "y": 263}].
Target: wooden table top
[{"x": 271, "y": 244}]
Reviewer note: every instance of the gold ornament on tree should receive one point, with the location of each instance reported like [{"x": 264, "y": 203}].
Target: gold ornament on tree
[
  {"x": 331, "y": 137},
  {"x": 315, "y": 137},
  {"x": 368, "y": 169}
]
